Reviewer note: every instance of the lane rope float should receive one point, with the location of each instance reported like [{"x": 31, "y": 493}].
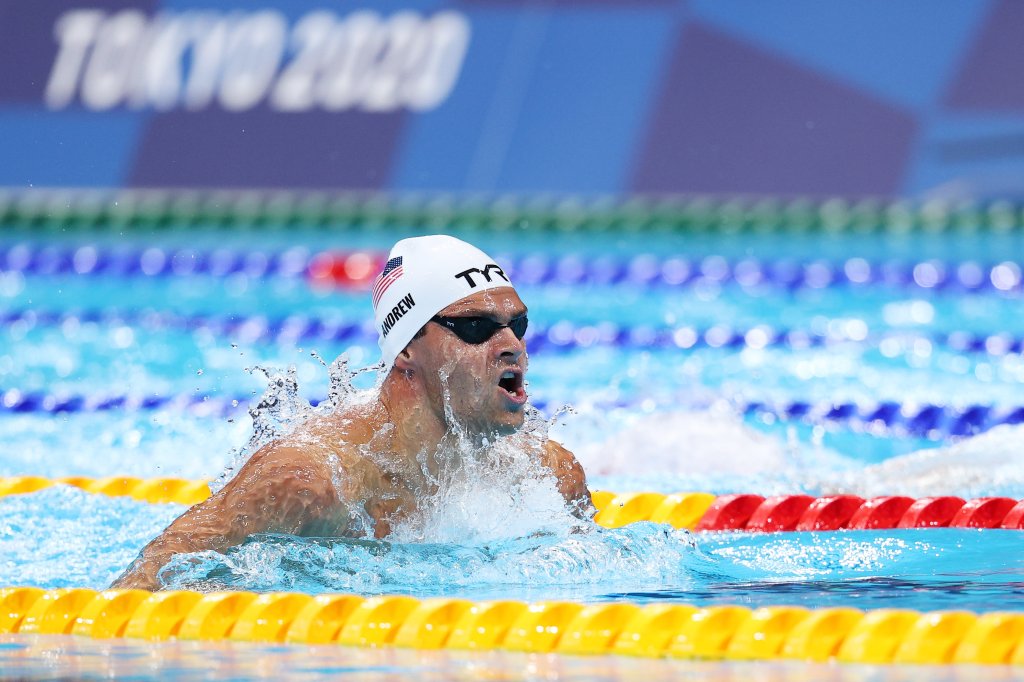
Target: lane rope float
[
  {"x": 149, "y": 209},
  {"x": 153, "y": 490},
  {"x": 704, "y": 512},
  {"x": 559, "y": 335},
  {"x": 679, "y": 631},
  {"x": 697, "y": 511},
  {"x": 356, "y": 269}
]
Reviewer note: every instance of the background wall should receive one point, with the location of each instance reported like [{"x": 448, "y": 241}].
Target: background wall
[{"x": 803, "y": 97}]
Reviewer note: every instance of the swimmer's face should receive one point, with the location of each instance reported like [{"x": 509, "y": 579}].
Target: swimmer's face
[{"x": 483, "y": 384}]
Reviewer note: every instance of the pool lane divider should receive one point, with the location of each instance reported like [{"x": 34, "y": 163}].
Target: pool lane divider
[
  {"x": 247, "y": 210},
  {"x": 357, "y": 269},
  {"x": 559, "y": 335},
  {"x": 152, "y": 490},
  {"x": 924, "y": 420},
  {"x": 697, "y": 511},
  {"x": 657, "y": 630},
  {"x": 704, "y": 512}
]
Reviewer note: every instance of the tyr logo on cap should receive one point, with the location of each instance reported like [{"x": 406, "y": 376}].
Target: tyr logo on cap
[{"x": 486, "y": 273}]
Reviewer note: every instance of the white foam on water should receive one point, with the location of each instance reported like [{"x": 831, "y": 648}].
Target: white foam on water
[
  {"x": 987, "y": 464},
  {"x": 704, "y": 442},
  {"x": 588, "y": 562},
  {"x": 496, "y": 492},
  {"x": 715, "y": 450}
]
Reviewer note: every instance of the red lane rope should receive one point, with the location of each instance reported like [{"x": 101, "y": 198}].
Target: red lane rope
[{"x": 801, "y": 512}]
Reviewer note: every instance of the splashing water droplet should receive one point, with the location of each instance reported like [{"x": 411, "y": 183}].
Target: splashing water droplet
[
  {"x": 277, "y": 413},
  {"x": 564, "y": 410}
]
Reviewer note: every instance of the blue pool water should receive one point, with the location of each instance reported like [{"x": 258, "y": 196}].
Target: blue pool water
[
  {"x": 664, "y": 373},
  {"x": 34, "y": 657}
]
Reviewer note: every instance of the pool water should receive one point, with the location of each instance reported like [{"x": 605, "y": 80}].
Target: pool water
[
  {"x": 34, "y": 656},
  {"x": 680, "y": 359}
]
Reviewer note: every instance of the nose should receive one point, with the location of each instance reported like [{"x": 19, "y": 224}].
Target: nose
[{"x": 507, "y": 346}]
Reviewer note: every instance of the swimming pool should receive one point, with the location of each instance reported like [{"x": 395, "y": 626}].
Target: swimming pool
[{"x": 766, "y": 360}]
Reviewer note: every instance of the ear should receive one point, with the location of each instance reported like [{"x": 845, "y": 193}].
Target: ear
[{"x": 406, "y": 360}]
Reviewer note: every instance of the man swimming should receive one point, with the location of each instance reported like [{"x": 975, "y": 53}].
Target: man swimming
[{"x": 450, "y": 328}]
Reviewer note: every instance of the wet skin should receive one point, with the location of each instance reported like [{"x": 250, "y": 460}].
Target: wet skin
[{"x": 367, "y": 461}]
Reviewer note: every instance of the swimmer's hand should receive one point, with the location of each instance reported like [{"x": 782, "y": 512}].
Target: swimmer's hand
[{"x": 281, "y": 489}]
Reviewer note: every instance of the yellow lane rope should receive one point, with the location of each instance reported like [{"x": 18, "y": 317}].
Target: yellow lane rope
[{"x": 622, "y": 628}]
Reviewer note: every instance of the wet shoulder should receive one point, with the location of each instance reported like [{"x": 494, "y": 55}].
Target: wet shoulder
[
  {"x": 342, "y": 440},
  {"x": 554, "y": 453},
  {"x": 353, "y": 427}
]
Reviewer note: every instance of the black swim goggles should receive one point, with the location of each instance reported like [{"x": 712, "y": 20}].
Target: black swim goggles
[{"x": 477, "y": 329}]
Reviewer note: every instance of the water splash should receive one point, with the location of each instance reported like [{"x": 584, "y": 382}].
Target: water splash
[
  {"x": 276, "y": 414},
  {"x": 493, "y": 491},
  {"x": 281, "y": 409},
  {"x": 467, "y": 490},
  {"x": 583, "y": 562},
  {"x": 341, "y": 389},
  {"x": 479, "y": 488}
]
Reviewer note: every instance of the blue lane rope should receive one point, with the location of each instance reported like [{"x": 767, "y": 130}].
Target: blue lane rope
[
  {"x": 924, "y": 420},
  {"x": 643, "y": 270},
  {"x": 564, "y": 334},
  {"x": 151, "y": 262}
]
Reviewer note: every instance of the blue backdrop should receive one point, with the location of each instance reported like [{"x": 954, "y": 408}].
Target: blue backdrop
[{"x": 796, "y": 97}]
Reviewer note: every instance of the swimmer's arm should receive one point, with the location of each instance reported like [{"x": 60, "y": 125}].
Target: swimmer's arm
[
  {"x": 572, "y": 480},
  {"x": 279, "y": 490}
]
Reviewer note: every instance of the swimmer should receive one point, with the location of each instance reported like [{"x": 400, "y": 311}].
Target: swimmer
[{"x": 450, "y": 327}]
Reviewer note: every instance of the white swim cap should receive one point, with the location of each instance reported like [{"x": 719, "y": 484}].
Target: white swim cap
[{"x": 423, "y": 276}]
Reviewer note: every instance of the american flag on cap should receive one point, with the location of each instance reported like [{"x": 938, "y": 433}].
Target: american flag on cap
[{"x": 392, "y": 271}]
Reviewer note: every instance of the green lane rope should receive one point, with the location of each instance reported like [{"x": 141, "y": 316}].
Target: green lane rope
[{"x": 67, "y": 210}]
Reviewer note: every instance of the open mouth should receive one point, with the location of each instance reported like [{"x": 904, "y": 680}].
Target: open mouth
[{"x": 511, "y": 383}]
